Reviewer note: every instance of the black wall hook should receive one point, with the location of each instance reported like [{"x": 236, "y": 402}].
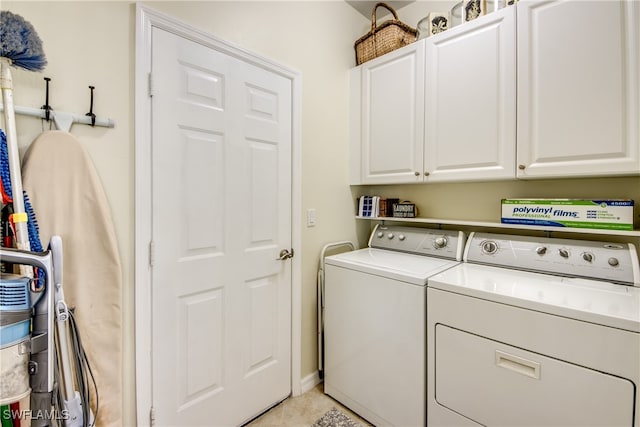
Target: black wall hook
[
  {"x": 46, "y": 107},
  {"x": 90, "y": 113}
]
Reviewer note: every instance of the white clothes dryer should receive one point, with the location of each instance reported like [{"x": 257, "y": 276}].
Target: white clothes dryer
[
  {"x": 375, "y": 321},
  {"x": 535, "y": 331}
]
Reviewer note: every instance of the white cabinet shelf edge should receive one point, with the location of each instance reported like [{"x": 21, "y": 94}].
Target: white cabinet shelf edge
[{"x": 488, "y": 224}]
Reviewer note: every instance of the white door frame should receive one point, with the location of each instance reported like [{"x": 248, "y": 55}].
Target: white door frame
[{"x": 146, "y": 19}]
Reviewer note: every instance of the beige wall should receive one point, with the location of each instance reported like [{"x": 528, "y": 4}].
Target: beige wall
[
  {"x": 480, "y": 201},
  {"x": 92, "y": 43}
]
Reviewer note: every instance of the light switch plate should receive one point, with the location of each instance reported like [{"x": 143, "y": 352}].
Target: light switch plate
[{"x": 311, "y": 217}]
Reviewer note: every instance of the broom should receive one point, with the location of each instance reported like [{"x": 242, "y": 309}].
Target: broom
[{"x": 20, "y": 47}]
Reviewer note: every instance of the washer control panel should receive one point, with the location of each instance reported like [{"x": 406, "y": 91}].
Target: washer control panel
[
  {"x": 617, "y": 262},
  {"x": 417, "y": 240}
]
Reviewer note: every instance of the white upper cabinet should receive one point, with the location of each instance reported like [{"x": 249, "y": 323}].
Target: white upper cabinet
[
  {"x": 390, "y": 117},
  {"x": 449, "y": 118},
  {"x": 542, "y": 89},
  {"x": 470, "y": 126},
  {"x": 578, "y": 88}
]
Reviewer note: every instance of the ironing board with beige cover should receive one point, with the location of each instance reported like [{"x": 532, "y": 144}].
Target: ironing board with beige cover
[{"x": 69, "y": 201}]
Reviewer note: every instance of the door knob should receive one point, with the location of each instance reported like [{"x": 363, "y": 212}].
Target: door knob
[{"x": 285, "y": 254}]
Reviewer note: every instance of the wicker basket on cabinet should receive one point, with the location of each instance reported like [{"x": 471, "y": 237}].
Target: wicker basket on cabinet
[{"x": 384, "y": 38}]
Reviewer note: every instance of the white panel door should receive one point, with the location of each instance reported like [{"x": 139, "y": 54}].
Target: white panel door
[
  {"x": 578, "y": 88},
  {"x": 392, "y": 114},
  {"x": 471, "y": 101},
  {"x": 221, "y": 302}
]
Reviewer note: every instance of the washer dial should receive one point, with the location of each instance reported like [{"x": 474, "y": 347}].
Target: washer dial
[
  {"x": 440, "y": 242},
  {"x": 489, "y": 247}
]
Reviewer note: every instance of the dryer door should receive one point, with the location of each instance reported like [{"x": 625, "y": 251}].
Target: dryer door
[{"x": 496, "y": 384}]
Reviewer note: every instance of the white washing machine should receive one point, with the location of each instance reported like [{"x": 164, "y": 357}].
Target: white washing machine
[
  {"x": 535, "y": 332},
  {"x": 375, "y": 321}
]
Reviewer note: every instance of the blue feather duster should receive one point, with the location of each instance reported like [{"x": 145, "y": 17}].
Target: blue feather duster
[{"x": 20, "y": 43}]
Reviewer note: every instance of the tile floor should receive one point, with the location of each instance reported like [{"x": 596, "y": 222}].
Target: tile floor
[{"x": 303, "y": 410}]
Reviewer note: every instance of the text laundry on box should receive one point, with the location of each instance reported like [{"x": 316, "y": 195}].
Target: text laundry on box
[{"x": 614, "y": 214}]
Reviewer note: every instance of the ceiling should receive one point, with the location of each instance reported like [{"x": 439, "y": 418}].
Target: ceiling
[{"x": 365, "y": 7}]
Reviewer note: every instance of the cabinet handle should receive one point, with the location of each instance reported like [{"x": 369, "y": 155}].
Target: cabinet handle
[
  {"x": 416, "y": 173},
  {"x": 521, "y": 167},
  {"x": 426, "y": 174}
]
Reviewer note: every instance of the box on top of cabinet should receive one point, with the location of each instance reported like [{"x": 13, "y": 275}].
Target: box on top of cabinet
[{"x": 611, "y": 214}]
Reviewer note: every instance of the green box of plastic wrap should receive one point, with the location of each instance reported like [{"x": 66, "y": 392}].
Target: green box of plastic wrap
[{"x": 610, "y": 214}]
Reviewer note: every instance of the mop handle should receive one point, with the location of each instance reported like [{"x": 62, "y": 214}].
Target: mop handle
[{"x": 20, "y": 220}]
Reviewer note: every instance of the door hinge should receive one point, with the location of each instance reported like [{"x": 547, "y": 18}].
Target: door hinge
[
  {"x": 151, "y": 85},
  {"x": 152, "y": 416},
  {"x": 152, "y": 254}
]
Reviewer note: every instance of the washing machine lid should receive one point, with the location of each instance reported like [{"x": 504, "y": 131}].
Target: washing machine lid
[
  {"x": 410, "y": 268},
  {"x": 599, "y": 302}
]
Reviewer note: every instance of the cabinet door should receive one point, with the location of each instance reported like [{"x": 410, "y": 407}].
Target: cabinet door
[
  {"x": 392, "y": 117},
  {"x": 578, "y": 86},
  {"x": 471, "y": 98}
]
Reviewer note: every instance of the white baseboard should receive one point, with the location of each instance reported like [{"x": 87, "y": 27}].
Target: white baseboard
[{"x": 310, "y": 381}]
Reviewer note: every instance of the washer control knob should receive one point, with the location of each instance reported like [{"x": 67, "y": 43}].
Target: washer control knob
[
  {"x": 613, "y": 262},
  {"x": 390, "y": 236},
  {"x": 489, "y": 247},
  {"x": 564, "y": 253},
  {"x": 380, "y": 234},
  {"x": 440, "y": 242},
  {"x": 541, "y": 250},
  {"x": 587, "y": 256},
  {"x": 401, "y": 237}
]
